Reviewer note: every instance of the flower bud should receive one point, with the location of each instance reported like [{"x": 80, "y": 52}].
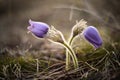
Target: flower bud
[
  {"x": 78, "y": 28},
  {"x": 92, "y": 35},
  {"x": 55, "y": 35},
  {"x": 39, "y": 29}
]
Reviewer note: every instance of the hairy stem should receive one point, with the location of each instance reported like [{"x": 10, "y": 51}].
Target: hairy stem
[
  {"x": 67, "y": 53},
  {"x": 74, "y": 58}
]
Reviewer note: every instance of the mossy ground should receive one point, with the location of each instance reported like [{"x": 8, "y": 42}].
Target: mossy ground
[{"x": 100, "y": 64}]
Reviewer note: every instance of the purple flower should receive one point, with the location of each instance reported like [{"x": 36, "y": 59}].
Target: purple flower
[
  {"x": 39, "y": 29},
  {"x": 92, "y": 35}
]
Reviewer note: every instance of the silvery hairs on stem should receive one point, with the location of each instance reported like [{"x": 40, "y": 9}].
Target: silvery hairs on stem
[{"x": 55, "y": 35}]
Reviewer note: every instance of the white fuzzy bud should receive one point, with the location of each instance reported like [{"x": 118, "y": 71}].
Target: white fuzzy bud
[{"x": 78, "y": 27}]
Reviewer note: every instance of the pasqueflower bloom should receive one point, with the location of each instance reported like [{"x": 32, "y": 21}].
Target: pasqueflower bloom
[
  {"x": 92, "y": 35},
  {"x": 42, "y": 30},
  {"x": 39, "y": 29}
]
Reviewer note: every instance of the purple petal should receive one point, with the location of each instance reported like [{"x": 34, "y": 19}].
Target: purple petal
[
  {"x": 40, "y": 34},
  {"x": 39, "y": 25},
  {"x": 92, "y": 35},
  {"x": 39, "y": 29}
]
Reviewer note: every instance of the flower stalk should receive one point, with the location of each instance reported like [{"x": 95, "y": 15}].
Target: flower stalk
[
  {"x": 73, "y": 56},
  {"x": 55, "y": 35},
  {"x": 68, "y": 58},
  {"x": 77, "y": 29}
]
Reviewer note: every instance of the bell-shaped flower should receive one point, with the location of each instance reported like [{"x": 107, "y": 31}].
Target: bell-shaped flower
[
  {"x": 42, "y": 30},
  {"x": 39, "y": 29},
  {"x": 92, "y": 35}
]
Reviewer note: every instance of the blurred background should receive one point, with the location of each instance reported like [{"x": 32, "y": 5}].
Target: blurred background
[
  {"x": 21, "y": 54},
  {"x": 15, "y": 14}
]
